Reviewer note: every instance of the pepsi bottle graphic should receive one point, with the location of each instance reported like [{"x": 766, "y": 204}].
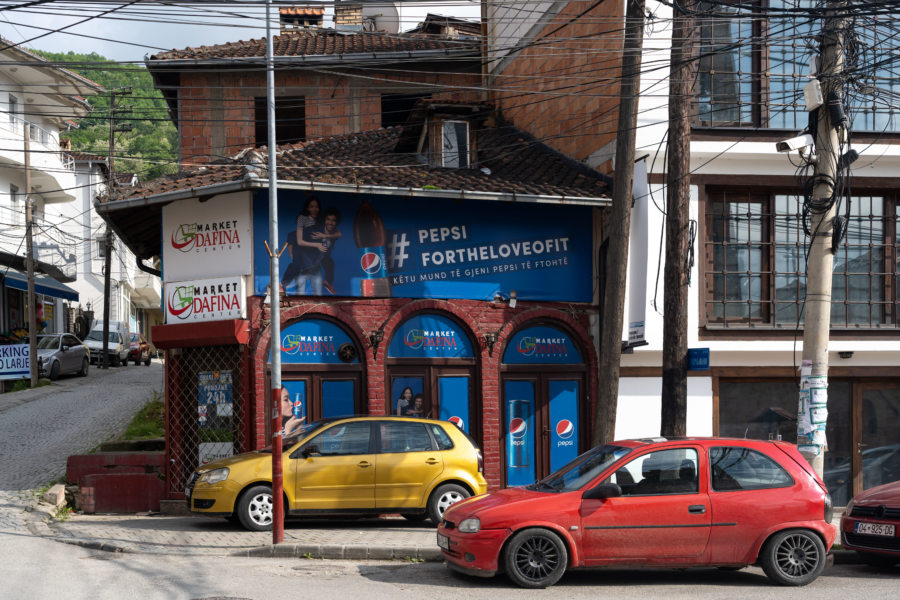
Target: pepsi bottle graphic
[
  {"x": 371, "y": 238},
  {"x": 518, "y": 433}
]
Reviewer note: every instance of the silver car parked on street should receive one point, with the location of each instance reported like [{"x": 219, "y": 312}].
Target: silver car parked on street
[{"x": 62, "y": 353}]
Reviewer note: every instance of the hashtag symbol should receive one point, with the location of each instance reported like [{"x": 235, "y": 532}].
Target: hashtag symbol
[{"x": 397, "y": 249}]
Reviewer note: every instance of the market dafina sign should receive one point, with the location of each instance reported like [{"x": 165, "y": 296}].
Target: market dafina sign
[{"x": 205, "y": 300}]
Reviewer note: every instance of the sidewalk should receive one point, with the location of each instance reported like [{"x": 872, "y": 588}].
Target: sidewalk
[
  {"x": 359, "y": 539},
  {"x": 378, "y": 539}
]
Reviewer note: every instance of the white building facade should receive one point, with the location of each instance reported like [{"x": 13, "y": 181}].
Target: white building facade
[{"x": 39, "y": 101}]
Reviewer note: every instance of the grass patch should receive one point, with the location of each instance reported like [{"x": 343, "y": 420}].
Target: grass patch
[
  {"x": 149, "y": 422},
  {"x": 25, "y": 384}
]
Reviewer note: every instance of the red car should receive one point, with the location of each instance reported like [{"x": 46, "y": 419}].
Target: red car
[
  {"x": 869, "y": 525},
  {"x": 654, "y": 503},
  {"x": 139, "y": 350}
]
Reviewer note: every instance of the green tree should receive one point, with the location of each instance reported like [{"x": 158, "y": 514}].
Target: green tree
[{"x": 150, "y": 147}]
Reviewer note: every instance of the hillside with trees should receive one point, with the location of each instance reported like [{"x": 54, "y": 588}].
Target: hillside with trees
[{"x": 150, "y": 148}]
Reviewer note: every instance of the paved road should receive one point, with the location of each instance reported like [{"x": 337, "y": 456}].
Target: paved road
[{"x": 40, "y": 428}]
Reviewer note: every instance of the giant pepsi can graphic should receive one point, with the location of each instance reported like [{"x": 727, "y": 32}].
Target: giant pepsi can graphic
[
  {"x": 518, "y": 433},
  {"x": 371, "y": 239}
]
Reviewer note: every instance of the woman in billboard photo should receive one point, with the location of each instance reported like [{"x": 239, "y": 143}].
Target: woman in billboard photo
[
  {"x": 291, "y": 412},
  {"x": 405, "y": 401},
  {"x": 309, "y": 248}
]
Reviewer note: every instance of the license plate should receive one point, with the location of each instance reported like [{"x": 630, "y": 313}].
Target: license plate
[
  {"x": 875, "y": 529},
  {"x": 443, "y": 541}
]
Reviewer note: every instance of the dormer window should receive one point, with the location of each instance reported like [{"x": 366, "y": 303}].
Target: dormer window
[{"x": 455, "y": 144}]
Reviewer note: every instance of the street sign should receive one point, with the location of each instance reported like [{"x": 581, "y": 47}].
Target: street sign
[{"x": 698, "y": 359}]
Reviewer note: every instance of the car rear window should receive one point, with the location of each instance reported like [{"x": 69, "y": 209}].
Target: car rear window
[
  {"x": 735, "y": 468},
  {"x": 440, "y": 436}
]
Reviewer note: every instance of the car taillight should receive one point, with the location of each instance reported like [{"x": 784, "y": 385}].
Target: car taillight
[
  {"x": 829, "y": 508},
  {"x": 480, "y": 461}
]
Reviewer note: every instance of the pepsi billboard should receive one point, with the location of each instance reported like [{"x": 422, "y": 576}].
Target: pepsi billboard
[{"x": 363, "y": 245}]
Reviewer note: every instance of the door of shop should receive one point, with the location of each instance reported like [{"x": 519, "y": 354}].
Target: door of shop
[
  {"x": 431, "y": 367},
  {"x": 543, "y": 400},
  {"x": 876, "y": 457},
  {"x": 321, "y": 370}
]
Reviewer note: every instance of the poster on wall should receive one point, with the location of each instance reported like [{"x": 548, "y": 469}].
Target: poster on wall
[
  {"x": 205, "y": 300},
  {"x": 206, "y": 239},
  {"x": 214, "y": 411},
  {"x": 381, "y": 246}
]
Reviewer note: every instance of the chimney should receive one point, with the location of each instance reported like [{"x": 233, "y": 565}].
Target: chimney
[
  {"x": 301, "y": 17},
  {"x": 348, "y": 15}
]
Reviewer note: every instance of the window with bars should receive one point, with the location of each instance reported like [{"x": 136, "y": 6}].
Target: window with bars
[
  {"x": 755, "y": 59},
  {"x": 756, "y": 251}
]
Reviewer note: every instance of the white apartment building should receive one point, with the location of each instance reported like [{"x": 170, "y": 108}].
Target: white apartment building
[{"x": 40, "y": 100}]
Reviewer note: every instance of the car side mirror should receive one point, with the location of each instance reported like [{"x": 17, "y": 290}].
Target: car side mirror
[
  {"x": 65, "y": 348},
  {"x": 311, "y": 450},
  {"x": 602, "y": 492}
]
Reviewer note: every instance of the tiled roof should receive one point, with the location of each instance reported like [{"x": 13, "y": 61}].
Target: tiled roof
[
  {"x": 319, "y": 42},
  {"x": 509, "y": 162}
]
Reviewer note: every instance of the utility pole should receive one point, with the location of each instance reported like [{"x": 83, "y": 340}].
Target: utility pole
[
  {"x": 29, "y": 259},
  {"x": 108, "y": 238},
  {"x": 812, "y": 409},
  {"x": 682, "y": 69},
  {"x": 274, "y": 294},
  {"x": 604, "y": 426}
]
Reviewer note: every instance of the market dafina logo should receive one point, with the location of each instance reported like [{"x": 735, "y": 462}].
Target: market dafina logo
[
  {"x": 422, "y": 338},
  {"x": 531, "y": 346},
  {"x": 189, "y": 237},
  {"x": 202, "y": 301},
  {"x": 293, "y": 343}
]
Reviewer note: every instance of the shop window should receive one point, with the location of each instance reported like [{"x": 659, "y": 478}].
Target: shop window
[{"x": 756, "y": 251}]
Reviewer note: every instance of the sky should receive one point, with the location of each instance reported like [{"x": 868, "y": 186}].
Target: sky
[{"x": 128, "y": 31}]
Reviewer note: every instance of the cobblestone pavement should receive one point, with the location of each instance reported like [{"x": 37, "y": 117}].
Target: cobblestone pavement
[{"x": 41, "y": 427}]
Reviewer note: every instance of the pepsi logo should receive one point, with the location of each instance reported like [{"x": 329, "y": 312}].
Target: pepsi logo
[
  {"x": 565, "y": 428},
  {"x": 518, "y": 428},
  {"x": 370, "y": 263},
  {"x": 457, "y": 421}
]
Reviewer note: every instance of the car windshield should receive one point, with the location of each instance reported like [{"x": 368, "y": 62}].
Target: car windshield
[
  {"x": 97, "y": 336},
  {"x": 47, "y": 342},
  {"x": 581, "y": 470},
  {"x": 135, "y": 338}
]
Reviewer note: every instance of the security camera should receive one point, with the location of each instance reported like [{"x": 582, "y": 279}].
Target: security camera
[{"x": 795, "y": 143}]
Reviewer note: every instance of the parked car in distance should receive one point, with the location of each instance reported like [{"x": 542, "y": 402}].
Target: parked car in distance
[
  {"x": 116, "y": 349},
  {"x": 352, "y": 465},
  {"x": 689, "y": 502},
  {"x": 139, "y": 349},
  {"x": 869, "y": 525},
  {"x": 62, "y": 354}
]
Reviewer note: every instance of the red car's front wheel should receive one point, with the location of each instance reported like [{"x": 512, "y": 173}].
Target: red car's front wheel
[{"x": 535, "y": 558}]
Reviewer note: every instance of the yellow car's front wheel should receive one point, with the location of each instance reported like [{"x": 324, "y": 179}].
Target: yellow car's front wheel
[{"x": 254, "y": 510}]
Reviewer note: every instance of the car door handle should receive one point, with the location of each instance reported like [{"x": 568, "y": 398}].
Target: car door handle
[
  {"x": 431, "y": 461},
  {"x": 364, "y": 463},
  {"x": 697, "y": 509}
]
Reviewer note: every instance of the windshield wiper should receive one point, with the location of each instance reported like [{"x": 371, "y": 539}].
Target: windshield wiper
[{"x": 543, "y": 484}]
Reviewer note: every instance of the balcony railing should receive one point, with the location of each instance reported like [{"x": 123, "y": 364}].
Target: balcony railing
[
  {"x": 41, "y": 136},
  {"x": 57, "y": 249}
]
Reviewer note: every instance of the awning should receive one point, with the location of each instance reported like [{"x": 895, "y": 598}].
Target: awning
[{"x": 43, "y": 284}]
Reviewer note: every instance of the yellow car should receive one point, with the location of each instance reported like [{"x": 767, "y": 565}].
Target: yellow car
[{"x": 354, "y": 465}]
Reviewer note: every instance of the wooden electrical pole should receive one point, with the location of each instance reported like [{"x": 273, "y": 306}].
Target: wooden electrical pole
[
  {"x": 812, "y": 409},
  {"x": 675, "y": 300},
  {"x": 604, "y": 425},
  {"x": 29, "y": 260}
]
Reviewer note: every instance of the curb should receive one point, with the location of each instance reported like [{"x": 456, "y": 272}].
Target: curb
[{"x": 344, "y": 552}]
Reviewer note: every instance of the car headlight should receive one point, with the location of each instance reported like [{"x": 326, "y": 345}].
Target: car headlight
[
  {"x": 214, "y": 476},
  {"x": 470, "y": 525}
]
